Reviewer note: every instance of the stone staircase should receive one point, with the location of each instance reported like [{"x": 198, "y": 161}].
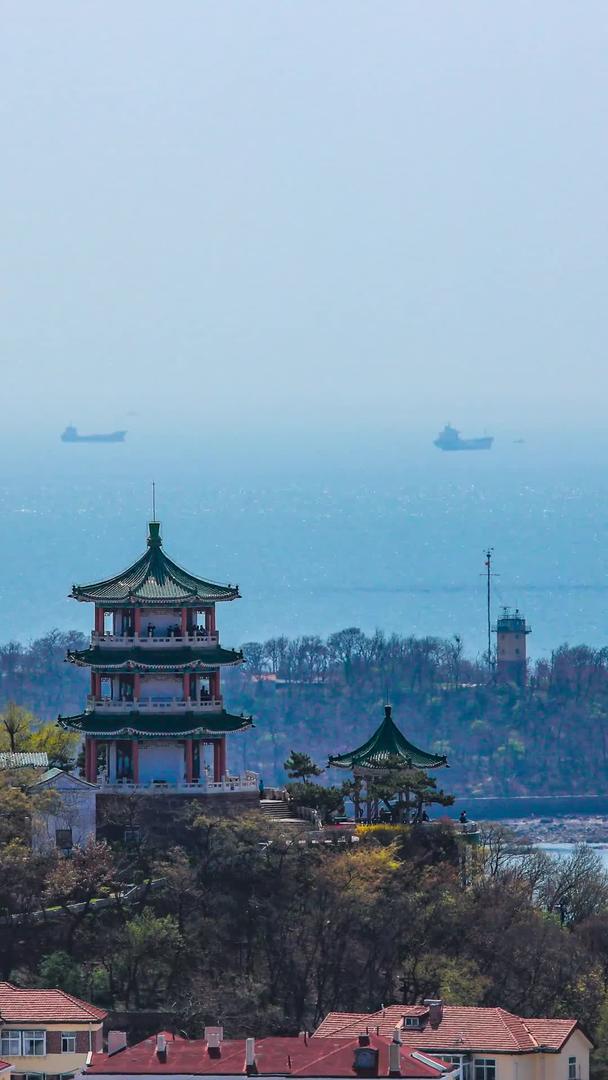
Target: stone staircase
[{"x": 278, "y": 810}]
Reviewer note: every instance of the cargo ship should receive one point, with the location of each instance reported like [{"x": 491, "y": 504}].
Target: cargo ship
[
  {"x": 71, "y": 435},
  {"x": 449, "y": 439}
]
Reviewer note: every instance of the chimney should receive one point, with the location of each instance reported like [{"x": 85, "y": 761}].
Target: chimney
[
  {"x": 161, "y": 1048},
  {"x": 435, "y": 1007},
  {"x": 364, "y": 1040},
  {"x": 213, "y": 1038},
  {"x": 394, "y": 1054},
  {"x": 117, "y": 1040},
  {"x": 250, "y": 1065}
]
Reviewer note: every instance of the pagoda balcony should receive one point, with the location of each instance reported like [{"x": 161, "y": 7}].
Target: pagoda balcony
[
  {"x": 149, "y": 705},
  {"x": 201, "y": 639},
  {"x": 249, "y": 782}
]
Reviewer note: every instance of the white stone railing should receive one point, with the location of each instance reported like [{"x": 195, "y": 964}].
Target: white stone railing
[
  {"x": 249, "y": 782},
  {"x": 147, "y": 705},
  {"x": 156, "y": 641}
]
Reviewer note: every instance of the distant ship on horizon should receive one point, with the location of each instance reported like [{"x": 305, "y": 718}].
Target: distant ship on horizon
[
  {"x": 71, "y": 435},
  {"x": 449, "y": 439}
]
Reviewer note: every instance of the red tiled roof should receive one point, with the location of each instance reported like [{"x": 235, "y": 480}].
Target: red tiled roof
[
  {"x": 4, "y": 1065},
  {"x": 45, "y": 1006},
  {"x": 550, "y": 1032},
  {"x": 289, "y": 1056},
  {"x": 461, "y": 1028}
]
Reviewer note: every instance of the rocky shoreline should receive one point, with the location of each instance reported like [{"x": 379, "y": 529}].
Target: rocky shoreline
[{"x": 560, "y": 830}]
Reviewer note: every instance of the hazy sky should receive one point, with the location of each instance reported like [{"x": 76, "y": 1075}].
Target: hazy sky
[{"x": 303, "y": 213}]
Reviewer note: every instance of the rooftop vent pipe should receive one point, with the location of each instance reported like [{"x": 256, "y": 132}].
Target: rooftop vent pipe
[
  {"x": 117, "y": 1040},
  {"x": 250, "y": 1063}
]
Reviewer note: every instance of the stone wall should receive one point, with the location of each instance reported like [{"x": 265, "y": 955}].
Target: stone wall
[{"x": 164, "y": 818}]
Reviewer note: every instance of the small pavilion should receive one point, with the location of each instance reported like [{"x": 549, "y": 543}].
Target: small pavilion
[{"x": 386, "y": 750}]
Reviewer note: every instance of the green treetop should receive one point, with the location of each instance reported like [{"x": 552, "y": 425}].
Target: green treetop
[{"x": 300, "y": 766}]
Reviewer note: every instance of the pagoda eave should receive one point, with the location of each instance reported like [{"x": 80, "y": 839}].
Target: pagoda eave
[
  {"x": 146, "y": 659},
  {"x": 135, "y": 668},
  {"x": 187, "y": 600},
  {"x": 139, "y": 725},
  {"x": 374, "y": 768}
]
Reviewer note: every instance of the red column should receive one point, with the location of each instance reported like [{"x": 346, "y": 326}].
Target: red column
[
  {"x": 223, "y": 767},
  {"x": 184, "y": 621},
  {"x": 137, "y": 620},
  {"x": 215, "y": 685},
  {"x": 186, "y": 686},
  {"x": 135, "y": 760},
  {"x": 91, "y": 760},
  {"x": 96, "y": 685},
  {"x": 99, "y": 620},
  {"x": 217, "y": 760},
  {"x": 189, "y": 761},
  {"x": 136, "y": 687},
  {"x": 210, "y": 620}
]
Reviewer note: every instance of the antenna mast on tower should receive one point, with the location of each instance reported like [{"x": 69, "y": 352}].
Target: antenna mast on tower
[{"x": 489, "y": 575}]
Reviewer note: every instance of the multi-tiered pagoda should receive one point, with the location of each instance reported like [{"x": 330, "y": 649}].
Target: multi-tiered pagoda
[{"x": 155, "y": 717}]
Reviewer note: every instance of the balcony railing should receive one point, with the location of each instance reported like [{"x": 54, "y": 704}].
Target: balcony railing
[
  {"x": 249, "y": 782},
  {"x": 155, "y": 641},
  {"x": 148, "y": 705}
]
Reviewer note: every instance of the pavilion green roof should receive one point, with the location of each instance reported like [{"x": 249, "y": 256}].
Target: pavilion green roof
[
  {"x": 135, "y": 723},
  {"x": 387, "y": 748},
  {"x": 184, "y": 658},
  {"x": 154, "y": 581}
]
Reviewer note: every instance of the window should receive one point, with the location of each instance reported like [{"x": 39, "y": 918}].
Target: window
[
  {"x": 461, "y": 1061},
  {"x": 10, "y": 1043},
  {"x": 412, "y": 1021},
  {"x": 68, "y": 1042},
  {"x": 35, "y": 1076},
  {"x": 366, "y": 1058},
  {"x": 132, "y": 834},
  {"x": 34, "y": 1043},
  {"x": 485, "y": 1069},
  {"x": 571, "y": 1068},
  {"x": 63, "y": 839}
]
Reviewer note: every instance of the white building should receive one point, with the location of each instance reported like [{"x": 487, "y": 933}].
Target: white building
[{"x": 70, "y": 819}]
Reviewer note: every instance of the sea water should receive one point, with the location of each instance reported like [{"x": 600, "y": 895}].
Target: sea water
[{"x": 385, "y": 534}]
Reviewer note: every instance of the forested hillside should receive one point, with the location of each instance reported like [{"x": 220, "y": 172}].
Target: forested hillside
[
  {"x": 325, "y": 696},
  {"x": 247, "y": 929}
]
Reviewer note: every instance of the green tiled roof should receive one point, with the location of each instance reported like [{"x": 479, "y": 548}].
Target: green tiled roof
[
  {"x": 135, "y": 723},
  {"x": 149, "y": 659},
  {"x": 20, "y": 759},
  {"x": 386, "y": 745},
  {"x": 154, "y": 580}
]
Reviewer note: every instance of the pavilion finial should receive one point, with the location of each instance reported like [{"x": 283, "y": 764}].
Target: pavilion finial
[
  {"x": 153, "y": 500},
  {"x": 388, "y": 710},
  {"x": 154, "y": 539}
]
